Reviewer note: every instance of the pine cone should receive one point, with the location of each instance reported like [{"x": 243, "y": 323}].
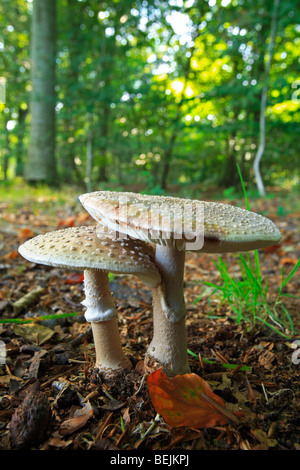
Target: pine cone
[{"x": 30, "y": 420}]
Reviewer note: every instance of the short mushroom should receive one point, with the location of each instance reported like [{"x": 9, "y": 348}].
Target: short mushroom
[
  {"x": 176, "y": 225},
  {"x": 96, "y": 251}
]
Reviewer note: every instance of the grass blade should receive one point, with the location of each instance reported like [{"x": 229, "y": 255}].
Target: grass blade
[{"x": 39, "y": 319}]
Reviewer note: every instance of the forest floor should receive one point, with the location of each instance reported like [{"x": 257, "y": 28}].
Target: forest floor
[{"x": 50, "y": 362}]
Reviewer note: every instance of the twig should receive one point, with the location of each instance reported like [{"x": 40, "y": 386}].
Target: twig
[
  {"x": 103, "y": 426},
  {"x": 220, "y": 408},
  {"x": 28, "y": 299}
]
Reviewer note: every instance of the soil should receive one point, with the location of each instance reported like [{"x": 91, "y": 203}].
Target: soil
[{"x": 51, "y": 396}]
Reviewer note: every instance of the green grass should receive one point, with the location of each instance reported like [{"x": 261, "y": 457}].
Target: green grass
[
  {"x": 38, "y": 319},
  {"x": 225, "y": 365},
  {"x": 19, "y": 193},
  {"x": 247, "y": 296},
  {"x": 247, "y": 293}
]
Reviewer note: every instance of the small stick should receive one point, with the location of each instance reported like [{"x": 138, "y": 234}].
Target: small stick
[
  {"x": 28, "y": 299},
  {"x": 103, "y": 426}
]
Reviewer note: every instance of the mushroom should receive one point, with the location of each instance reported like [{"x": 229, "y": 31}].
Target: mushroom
[
  {"x": 96, "y": 251},
  {"x": 177, "y": 225}
]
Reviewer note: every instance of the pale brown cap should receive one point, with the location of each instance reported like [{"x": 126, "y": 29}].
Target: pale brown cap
[
  {"x": 93, "y": 247},
  {"x": 180, "y": 222}
]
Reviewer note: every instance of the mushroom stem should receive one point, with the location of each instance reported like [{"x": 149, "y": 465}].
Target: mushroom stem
[
  {"x": 98, "y": 300},
  {"x": 109, "y": 352},
  {"x": 170, "y": 262},
  {"x": 169, "y": 343},
  {"x": 101, "y": 312}
]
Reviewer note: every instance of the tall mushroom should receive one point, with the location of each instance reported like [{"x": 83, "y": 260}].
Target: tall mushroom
[
  {"x": 176, "y": 225},
  {"x": 96, "y": 251}
]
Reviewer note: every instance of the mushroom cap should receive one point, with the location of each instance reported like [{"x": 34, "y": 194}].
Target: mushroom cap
[
  {"x": 93, "y": 247},
  {"x": 194, "y": 225}
]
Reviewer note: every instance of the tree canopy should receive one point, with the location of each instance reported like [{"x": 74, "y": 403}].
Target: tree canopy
[{"x": 156, "y": 93}]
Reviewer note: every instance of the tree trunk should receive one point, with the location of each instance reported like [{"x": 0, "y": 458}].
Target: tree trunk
[
  {"x": 20, "y": 145},
  {"x": 263, "y": 104},
  {"x": 104, "y": 115},
  {"x": 70, "y": 173},
  {"x": 89, "y": 154},
  {"x": 230, "y": 176},
  {"x": 104, "y": 130},
  {"x": 41, "y": 165},
  {"x": 5, "y": 153},
  {"x": 167, "y": 160}
]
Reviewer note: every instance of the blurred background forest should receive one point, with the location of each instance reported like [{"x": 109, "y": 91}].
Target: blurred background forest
[{"x": 150, "y": 95}]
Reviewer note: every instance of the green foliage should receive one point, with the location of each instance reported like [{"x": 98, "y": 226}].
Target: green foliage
[{"x": 163, "y": 106}]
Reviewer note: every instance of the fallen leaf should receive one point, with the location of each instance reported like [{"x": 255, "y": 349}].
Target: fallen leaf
[
  {"x": 262, "y": 437},
  {"x": 68, "y": 222},
  {"x": 287, "y": 260},
  {"x": 266, "y": 358},
  {"x": 5, "y": 379},
  {"x": 33, "y": 332},
  {"x": 74, "y": 279},
  {"x": 112, "y": 405},
  {"x": 80, "y": 419},
  {"x": 271, "y": 249},
  {"x": 60, "y": 443},
  {"x": 126, "y": 416},
  {"x": 35, "y": 363},
  {"x": 186, "y": 400},
  {"x": 82, "y": 217},
  {"x": 25, "y": 233},
  {"x": 11, "y": 255}
]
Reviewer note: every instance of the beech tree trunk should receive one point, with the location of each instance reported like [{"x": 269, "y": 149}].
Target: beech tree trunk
[
  {"x": 89, "y": 154},
  {"x": 20, "y": 145},
  {"x": 263, "y": 104},
  {"x": 41, "y": 165}
]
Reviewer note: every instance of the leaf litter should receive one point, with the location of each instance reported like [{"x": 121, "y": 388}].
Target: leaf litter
[{"x": 248, "y": 376}]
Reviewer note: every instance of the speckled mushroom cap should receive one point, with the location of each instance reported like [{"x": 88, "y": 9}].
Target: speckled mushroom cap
[
  {"x": 175, "y": 221},
  {"x": 93, "y": 247}
]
